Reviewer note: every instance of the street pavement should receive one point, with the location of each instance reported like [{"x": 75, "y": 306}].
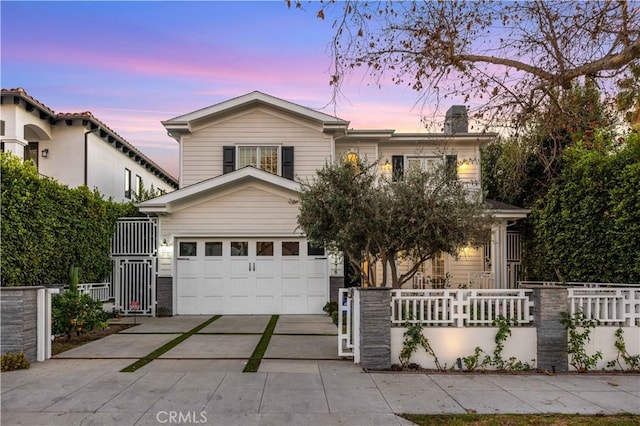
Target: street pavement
[{"x": 300, "y": 381}]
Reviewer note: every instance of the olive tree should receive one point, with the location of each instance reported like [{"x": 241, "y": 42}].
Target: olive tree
[{"x": 350, "y": 208}]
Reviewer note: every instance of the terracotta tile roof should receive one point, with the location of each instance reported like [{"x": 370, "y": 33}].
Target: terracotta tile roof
[
  {"x": 19, "y": 91},
  {"x": 87, "y": 115}
]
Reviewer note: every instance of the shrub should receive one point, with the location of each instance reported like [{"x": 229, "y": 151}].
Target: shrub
[
  {"x": 632, "y": 361},
  {"x": 14, "y": 361},
  {"x": 74, "y": 313},
  {"x": 47, "y": 227},
  {"x": 579, "y": 328},
  {"x": 331, "y": 308}
]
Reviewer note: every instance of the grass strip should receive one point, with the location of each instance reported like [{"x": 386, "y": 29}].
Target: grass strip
[
  {"x": 256, "y": 357},
  {"x": 167, "y": 347},
  {"x": 522, "y": 419}
]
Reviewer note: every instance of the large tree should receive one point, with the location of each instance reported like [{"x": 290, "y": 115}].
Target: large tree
[
  {"x": 349, "y": 208},
  {"x": 507, "y": 58}
]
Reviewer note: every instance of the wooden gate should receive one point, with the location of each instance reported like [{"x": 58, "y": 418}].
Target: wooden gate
[{"x": 134, "y": 254}]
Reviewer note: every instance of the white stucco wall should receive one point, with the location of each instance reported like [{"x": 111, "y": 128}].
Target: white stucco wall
[
  {"x": 450, "y": 343},
  {"x": 603, "y": 339}
]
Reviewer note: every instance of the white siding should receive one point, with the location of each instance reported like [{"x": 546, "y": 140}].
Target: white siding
[
  {"x": 202, "y": 150},
  {"x": 470, "y": 260}
]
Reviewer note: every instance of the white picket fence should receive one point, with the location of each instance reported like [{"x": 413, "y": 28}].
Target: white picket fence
[
  {"x": 460, "y": 308},
  {"x": 610, "y": 306}
]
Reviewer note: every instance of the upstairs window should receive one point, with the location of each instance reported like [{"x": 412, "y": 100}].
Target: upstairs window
[
  {"x": 272, "y": 159},
  {"x": 427, "y": 164},
  {"x": 261, "y": 157}
]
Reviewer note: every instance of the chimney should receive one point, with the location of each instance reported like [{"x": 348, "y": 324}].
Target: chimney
[{"x": 456, "y": 120}]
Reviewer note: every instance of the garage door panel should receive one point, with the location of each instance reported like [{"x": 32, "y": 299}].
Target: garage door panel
[
  {"x": 241, "y": 304},
  {"x": 315, "y": 304},
  {"x": 214, "y": 267},
  {"x": 242, "y": 287},
  {"x": 292, "y": 304},
  {"x": 316, "y": 286},
  {"x": 189, "y": 287},
  {"x": 291, "y": 267},
  {"x": 316, "y": 267},
  {"x": 188, "y": 305},
  {"x": 267, "y": 304},
  {"x": 212, "y": 305},
  {"x": 213, "y": 287},
  {"x": 268, "y": 287},
  {"x": 292, "y": 286},
  {"x": 240, "y": 267}
]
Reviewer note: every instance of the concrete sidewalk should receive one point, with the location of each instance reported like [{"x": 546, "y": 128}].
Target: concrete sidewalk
[{"x": 94, "y": 392}]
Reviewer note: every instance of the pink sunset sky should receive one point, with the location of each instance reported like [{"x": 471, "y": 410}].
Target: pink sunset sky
[{"x": 133, "y": 64}]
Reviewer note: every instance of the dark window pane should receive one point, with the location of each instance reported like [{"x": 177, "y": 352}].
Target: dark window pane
[
  {"x": 213, "y": 248},
  {"x": 290, "y": 248},
  {"x": 239, "y": 248},
  {"x": 314, "y": 251},
  {"x": 264, "y": 248},
  {"x": 188, "y": 249}
]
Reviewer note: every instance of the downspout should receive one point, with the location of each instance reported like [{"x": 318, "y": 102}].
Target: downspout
[{"x": 86, "y": 155}]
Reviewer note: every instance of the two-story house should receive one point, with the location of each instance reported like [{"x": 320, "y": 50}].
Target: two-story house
[
  {"x": 76, "y": 148},
  {"x": 230, "y": 242}
]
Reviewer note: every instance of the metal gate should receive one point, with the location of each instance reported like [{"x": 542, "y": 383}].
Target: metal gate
[
  {"x": 348, "y": 320},
  {"x": 134, "y": 254}
]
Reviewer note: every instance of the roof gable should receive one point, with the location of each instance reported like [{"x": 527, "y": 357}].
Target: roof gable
[
  {"x": 185, "y": 123},
  {"x": 166, "y": 203}
]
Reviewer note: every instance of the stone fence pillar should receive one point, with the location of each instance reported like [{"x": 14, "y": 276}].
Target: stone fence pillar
[
  {"x": 19, "y": 326},
  {"x": 551, "y": 334},
  {"x": 375, "y": 327}
]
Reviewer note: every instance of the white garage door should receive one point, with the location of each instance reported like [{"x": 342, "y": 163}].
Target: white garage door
[{"x": 250, "y": 276}]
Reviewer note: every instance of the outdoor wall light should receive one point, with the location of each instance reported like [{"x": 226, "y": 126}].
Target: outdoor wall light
[
  {"x": 386, "y": 167},
  {"x": 464, "y": 165},
  {"x": 45, "y": 152},
  {"x": 165, "y": 243}
]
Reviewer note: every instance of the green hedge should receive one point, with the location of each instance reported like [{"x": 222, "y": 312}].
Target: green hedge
[
  {"x": 587, "y": 227},
  {"x": 48, "y": 227}
]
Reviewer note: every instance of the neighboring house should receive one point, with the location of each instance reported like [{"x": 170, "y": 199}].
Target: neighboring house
[
  {"x": 230, "y": 238},
  {"x": 76, "y": 149}
]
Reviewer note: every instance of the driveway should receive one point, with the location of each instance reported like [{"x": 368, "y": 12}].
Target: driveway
[{"x": 298, "y": 343}]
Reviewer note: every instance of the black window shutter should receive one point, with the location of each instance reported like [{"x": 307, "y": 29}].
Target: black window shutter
[
  {"x": 228, "y": 159},
  {"x": 397, "y": 167},
  {"x": 287, "y": 162},
  {"x": 452, "y": 166}
]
